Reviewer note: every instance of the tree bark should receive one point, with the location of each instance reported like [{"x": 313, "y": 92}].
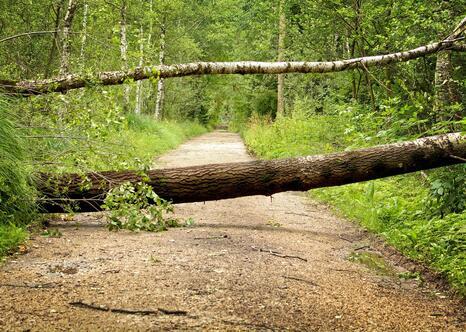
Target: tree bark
[
  {"x": 138, "y": 107},
  {"x": 447, "y": 92},
  {"x": 221, "y": 181},
  {"x": 83, "y": 38},
  {"x": 161, "y": 83},
  {"x": 69, "y": 82},
  {"x": 124, "y": 52},
  {"x": 281, "y": 57},
  {"x": 67, "y": 23}
]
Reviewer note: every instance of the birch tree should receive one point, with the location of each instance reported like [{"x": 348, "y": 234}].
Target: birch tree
[
  {"x": 83, "y": 37},
  {"x": 66, "y": 32},
  {"x": 446, "y": 89},
  {"x": 139, "y": 89},
  {"x": 161, "y": 83},
  {"x": 124, "y": 50},
  {"x": 281, "y": 57}
]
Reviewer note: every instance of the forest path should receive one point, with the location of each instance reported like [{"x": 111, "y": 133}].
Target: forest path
[{"x": 250, "y": 263}]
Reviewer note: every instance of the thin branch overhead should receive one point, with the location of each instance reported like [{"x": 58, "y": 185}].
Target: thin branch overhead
[{"x": 74, "y": 81}]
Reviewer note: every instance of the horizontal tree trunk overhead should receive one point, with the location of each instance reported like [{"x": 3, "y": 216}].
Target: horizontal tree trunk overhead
[
  {"x": 69, "y": 82},
  {"x": 261, "y": 177}
]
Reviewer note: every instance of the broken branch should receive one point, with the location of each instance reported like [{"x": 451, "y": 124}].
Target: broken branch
[{"x": 81, "y": 304}]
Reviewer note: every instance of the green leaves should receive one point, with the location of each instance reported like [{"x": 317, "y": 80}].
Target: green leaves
[{"x": 137, "y": 208}]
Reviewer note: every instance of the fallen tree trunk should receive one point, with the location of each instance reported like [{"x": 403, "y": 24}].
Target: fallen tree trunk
[
  {"x": 220, "y": 181},
  {"x": 69, "y": 82}
]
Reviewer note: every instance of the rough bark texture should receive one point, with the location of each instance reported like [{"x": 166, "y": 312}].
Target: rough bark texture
[
  {"x": 281, "y": 57},
  {"x": 447, "y": 91},
  {"x": 67, "y": 23},
  {"x": 62, "y": 84},
  {"x": 220, "y": 181}
]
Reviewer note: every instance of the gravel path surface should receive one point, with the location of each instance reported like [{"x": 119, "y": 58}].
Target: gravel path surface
[{"x": 251, "y": 263}]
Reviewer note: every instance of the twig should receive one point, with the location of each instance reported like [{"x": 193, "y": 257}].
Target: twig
[
  {"x": 212, "y": 237},
  {"x": 344, "y": 238},
  {"x": 81, "y": 304},
  {"x": 27, "y": 34},
  {"x": 298, "y": 214},
  {"x": 458, "y": 158},
  {"x": 345, "y": 270},
  {"x": 278, "y": 254},
  {"x": 35, "y": 286},
  {"x": 362, "y": 247},
  {"x": 300, "y": 279},
  {"x": 375, "y": 78}
]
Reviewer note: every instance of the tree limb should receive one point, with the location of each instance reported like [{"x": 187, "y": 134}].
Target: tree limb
[
  {"x": 27, "y": 34},
  {"x": 69, "y": 82},
  {"x": 260, "y": 177}
]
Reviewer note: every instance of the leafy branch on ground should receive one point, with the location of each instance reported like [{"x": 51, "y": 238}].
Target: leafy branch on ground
[{"x": 138, "y": 208}]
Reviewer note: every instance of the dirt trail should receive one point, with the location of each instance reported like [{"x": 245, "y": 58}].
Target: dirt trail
[{"x": 251, "y": 263}]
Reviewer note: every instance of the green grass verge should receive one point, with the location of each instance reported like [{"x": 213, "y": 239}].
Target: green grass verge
[{"x": 398, "y": 208}]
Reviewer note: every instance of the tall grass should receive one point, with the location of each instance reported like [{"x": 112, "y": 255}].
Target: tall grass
[{"x": 16, "y": 192}]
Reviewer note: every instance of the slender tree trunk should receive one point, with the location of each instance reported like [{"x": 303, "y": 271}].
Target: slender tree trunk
[
  {"x": 354, "y": 88},
  {"x": 261, "y": 177},
  {"x": 138, "y": 107},
  {"x": 281, "y": 57},
  {"x": 370, "y": 89},
  {"x": 357, "y": 4},
  {"x": 55, "y": 38},
  {"x": 67, "y": 24},
  {"x": 161, "y": 84},
  {"x": 83, "y": 38},
  {"x": 447, "y": 91},
  {"x": 124, "y": 52}
]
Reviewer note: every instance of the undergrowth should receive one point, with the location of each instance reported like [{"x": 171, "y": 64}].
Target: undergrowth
[
  {"x": 16, "y": 192},
  {"x": 421, "y": 214},
  {"x": 80, "y": 141}
]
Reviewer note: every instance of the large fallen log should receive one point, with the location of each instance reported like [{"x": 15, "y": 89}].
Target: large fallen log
[{"x": 220, "y": 181}]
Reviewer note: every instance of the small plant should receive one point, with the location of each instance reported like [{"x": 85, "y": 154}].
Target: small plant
[
  {"x": 408, "y": 275},
  {"x": 138, "y": 208},
  {"x": 273, "y": 223},
  {"x": 52, "y": 232},
  {"x": 189, "y": 222},
  {"x": 447, "y": 190}
]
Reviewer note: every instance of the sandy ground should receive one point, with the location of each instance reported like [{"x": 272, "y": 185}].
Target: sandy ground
[{"x": 251, "y": 263}]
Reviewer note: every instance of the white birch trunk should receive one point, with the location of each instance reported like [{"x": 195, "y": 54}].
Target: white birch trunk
[
  {"x": 83, "y": 38},
  {"x": 70, "y": 82},
  {"x": 67, "y": 23},
  {"x": 281, "y": 57},
  {"x": 161, "y": 83},
  {"x": 124, "y": 52},
  {"x": 138, "y": 107}
]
